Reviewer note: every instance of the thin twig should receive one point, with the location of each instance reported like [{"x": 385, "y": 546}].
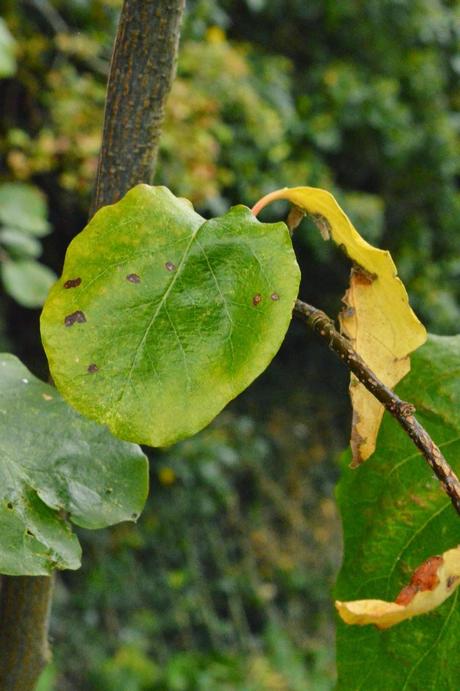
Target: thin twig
[
  {"x": 60, "y": 27},
  {"x": 52, "y": 16},
  {"x": 401, "y": 410}
]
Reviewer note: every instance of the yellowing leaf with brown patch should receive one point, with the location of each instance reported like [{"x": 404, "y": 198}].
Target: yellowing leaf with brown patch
[
  {"x": 377, "y": 316},
  {"x": 432, "y": 583}
]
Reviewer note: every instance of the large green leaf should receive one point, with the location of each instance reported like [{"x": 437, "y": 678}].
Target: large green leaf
[
  {"x": 56, "y": 467},
  {"x": 395, "y": 515},
  {"x": 161, "y": 317}
]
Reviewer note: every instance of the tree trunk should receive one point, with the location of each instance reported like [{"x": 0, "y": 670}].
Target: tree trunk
[
  {"x": 25, "y": 605},
  {"x": 141, "y": 75}
]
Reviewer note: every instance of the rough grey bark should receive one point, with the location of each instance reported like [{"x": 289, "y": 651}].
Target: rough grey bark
[
  {"x": 141, "y": 74},
  {"x": 25, "y": 603}
]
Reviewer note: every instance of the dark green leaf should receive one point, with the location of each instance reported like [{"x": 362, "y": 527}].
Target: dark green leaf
[
  {"x": 395, "y": 515},
  {"x": 161, "y": 318},
  {"x": 27, "y": 281},
  {"x": 57, "y": 466},
  {"x": 23, "y": 206}
]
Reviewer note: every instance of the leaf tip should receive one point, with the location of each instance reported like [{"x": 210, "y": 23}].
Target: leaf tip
[{"x": 430, "y": 585}]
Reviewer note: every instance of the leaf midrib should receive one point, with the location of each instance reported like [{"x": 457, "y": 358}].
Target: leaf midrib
[{"x": 164, "y": 297}]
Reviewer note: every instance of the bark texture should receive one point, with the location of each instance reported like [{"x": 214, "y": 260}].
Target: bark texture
[
  {"x": 25, "y": 603},
  {"x": 141, "y": 74}
]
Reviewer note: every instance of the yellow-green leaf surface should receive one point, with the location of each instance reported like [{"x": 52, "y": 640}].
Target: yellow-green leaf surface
[
  {"x": 57, "y": 467},
  {"x": 377, "y": 318},
  {"x": 395, "y": 516},
  {"x": 161, "y": 318}
]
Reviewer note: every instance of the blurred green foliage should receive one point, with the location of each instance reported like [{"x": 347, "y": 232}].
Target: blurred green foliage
[
  {"x": 377, "y": 100},
  {"x": 7, "y": 51},
  {"x": 221, "y": 584},
  {"x": 362, "y": 100},
  {"x": 224, "y": 583},
  {"x": 22, "y": 220}
]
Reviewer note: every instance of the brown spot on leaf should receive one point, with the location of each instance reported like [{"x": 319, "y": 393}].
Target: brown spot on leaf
[
  {"x": 274, "y": 297},
  {"x": 362, "y": 277},
  {"x": 169, "y": 266},
  {"x": 9, "y": 506},
  {"x": 133, "y": 278},
  {"x": 72, "y": 283},
  {"x": 424, "y": 578},
  {"x": 93, "y": 368},
  {"x": 256, "y": 299},
  {"x": 75, "y": 317},
  {"x": 451, "y": 580},
  {"x": 417, "y": 500}
]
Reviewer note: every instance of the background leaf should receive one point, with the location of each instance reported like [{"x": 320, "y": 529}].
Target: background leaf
[
  {"x": 161, "y": 318},
  {"x": 57, "y": 466},
  {"x": 7, "y": 51},
  {"x": 23, "y": 206},
  {"x": 395, "y": 515},
  {"x": 27, "y": 281},
  {"x": 20, "y": 244}
]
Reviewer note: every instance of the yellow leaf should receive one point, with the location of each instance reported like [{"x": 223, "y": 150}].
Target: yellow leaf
[
  {"x": 432, "y": 583},
  {"x": 377, "y": 316}
]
